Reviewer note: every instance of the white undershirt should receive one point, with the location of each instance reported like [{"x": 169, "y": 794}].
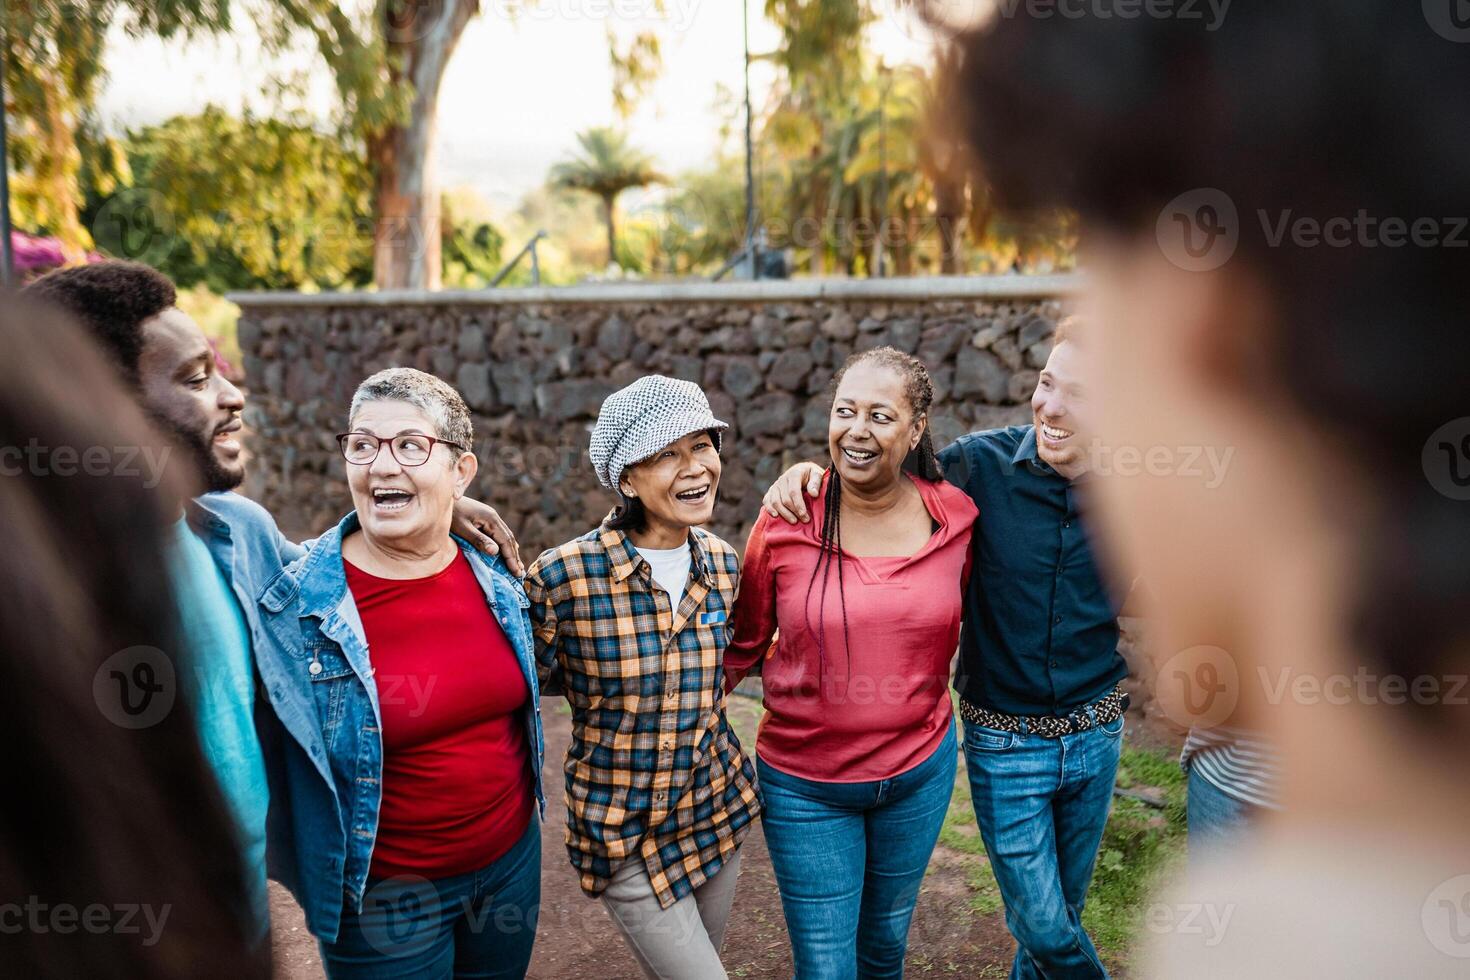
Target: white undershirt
[{"x": 670, "y": 570}]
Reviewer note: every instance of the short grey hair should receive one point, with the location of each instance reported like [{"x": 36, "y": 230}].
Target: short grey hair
[{"x": 433, "y": 396}]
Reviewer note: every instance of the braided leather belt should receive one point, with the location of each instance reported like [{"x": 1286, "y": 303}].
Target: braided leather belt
[{"x": 1100, "y": 712}]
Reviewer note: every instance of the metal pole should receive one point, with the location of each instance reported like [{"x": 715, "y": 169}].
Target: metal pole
[
  {"x": 882, "y": 165},
  {"x": 7, "y": 264},
  {"x": 750, "y": 244}
]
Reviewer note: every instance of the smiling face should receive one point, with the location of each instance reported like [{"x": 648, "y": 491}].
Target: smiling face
[
  {"x": 183, "y": 390},
  {"x": 872, "y": 428},
  {"x": 677, "y": 484},
  {"x": 405, "y": 507},
  {"x": 1059, "y": 412}
]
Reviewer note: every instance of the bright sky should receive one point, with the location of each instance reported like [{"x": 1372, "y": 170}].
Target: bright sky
[{"x": 517, "y": 87}]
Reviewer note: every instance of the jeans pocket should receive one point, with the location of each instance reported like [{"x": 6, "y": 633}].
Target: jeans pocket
[
  {"x": 983, "y": 739},
  {"x": 1112, "y": 729}
]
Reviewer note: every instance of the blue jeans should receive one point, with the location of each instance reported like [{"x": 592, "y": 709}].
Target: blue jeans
[
  {"x": 849, "y": 859},
  {"x": 479, "y": 924},
  {"x": 1042, "y": 804},
  {"x": 1216, "y": 819}
]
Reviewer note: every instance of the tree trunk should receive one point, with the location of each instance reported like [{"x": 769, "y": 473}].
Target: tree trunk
[
  {"x": 949, "y": 211},
  {"x": 421, "y": 39},
  {"x": 612, "y": 235}
]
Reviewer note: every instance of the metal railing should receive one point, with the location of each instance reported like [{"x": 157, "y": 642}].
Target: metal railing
[{"x": 535, "y": 262}]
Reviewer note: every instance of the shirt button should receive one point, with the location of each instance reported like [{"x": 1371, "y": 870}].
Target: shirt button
[
  {"x": 1053, "y": 663},
  {"x": 1066, "y": 523},
  {"x": 1057, "y": 620}
]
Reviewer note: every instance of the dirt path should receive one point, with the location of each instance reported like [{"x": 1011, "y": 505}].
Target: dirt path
[{"x": 575, "y": 939}]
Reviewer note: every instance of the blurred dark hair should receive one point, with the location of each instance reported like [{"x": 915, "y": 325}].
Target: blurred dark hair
[
  {"x": 1322, "y": 110},
  {"x": 112, "y": 300},
  {"x": 96, "y": 814}
]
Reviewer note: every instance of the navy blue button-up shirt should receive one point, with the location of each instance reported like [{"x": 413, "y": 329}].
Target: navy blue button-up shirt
[{"x": 1041, "y": 632}]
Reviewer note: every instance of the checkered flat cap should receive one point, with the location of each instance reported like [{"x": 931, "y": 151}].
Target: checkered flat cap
[{"x": 639, "y": 420}]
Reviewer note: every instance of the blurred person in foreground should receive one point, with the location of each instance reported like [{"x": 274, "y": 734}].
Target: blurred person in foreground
[
  {"x": 1276, "y": 265},
  {"x": 118, "y": 856},
  {"x": 407, "y": 821}
]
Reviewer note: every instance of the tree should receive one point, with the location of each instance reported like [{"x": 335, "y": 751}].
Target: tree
[
  {"x": 249, "y": 204},
  {"x": 606, "y": 166},
  {"x": 388, "y": 66},
  {"x": 53, "y": 69}
]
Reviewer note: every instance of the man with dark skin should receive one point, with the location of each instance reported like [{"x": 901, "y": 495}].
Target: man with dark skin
[{"x": 224, "y": 549}]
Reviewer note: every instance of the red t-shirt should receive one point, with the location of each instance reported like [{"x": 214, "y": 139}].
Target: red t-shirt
[
  {"x": 879, "y": 707},
  {"x": 456, "y": 767}
]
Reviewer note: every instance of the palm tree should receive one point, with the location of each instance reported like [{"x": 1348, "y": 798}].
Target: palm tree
[{"x": 606, "y": 166}]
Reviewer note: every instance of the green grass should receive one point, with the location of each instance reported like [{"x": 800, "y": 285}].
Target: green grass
[{"x": 1139, "y": 844}]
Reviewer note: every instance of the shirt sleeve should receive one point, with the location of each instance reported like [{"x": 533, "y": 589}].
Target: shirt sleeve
[
  {"x": 544, "y": 624},
  {"x": 954, "y": 464},
  {"x": 755, "y": 607}
]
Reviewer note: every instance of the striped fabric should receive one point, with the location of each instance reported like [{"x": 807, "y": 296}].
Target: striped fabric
[
  {"x": 1237, "y": 762},
  {"x": 654, "y": 771}
]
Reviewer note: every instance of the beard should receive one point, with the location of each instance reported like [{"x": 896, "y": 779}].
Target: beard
[{"x": 216, "y": 477}]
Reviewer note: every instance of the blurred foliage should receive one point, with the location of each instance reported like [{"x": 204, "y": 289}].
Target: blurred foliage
[
  {"x": 245, "y": 203},
  {"x": 53, "y": 69}
]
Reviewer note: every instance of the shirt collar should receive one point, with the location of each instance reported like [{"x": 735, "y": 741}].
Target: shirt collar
[
  {"x": 625, "y": 558},
  {"x": 1027, "y": 454}
]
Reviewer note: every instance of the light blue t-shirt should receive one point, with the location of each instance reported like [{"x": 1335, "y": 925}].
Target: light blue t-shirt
[{"x": 220, "y": 686}]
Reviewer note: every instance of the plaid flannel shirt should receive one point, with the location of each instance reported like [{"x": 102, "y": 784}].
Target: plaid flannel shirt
[{"x": 654, "y": 770}]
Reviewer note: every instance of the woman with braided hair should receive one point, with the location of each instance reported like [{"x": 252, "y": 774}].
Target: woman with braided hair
[{"x": 857, "y": 752}]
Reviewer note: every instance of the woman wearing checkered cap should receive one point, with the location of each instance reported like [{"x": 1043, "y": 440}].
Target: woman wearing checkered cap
[{"x": 631, "y": 621}]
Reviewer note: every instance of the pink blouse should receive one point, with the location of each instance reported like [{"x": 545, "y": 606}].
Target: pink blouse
[{"x": 878, "y": 704}]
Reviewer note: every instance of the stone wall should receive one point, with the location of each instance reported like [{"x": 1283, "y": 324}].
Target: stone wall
[{"x": 535, "y": 367}]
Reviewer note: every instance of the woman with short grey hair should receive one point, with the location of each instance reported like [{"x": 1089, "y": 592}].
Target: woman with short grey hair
[{"x": 419, "y": 802}]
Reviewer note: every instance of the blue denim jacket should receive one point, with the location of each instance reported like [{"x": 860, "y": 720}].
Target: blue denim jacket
[{"x": 325, "y": 775}]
